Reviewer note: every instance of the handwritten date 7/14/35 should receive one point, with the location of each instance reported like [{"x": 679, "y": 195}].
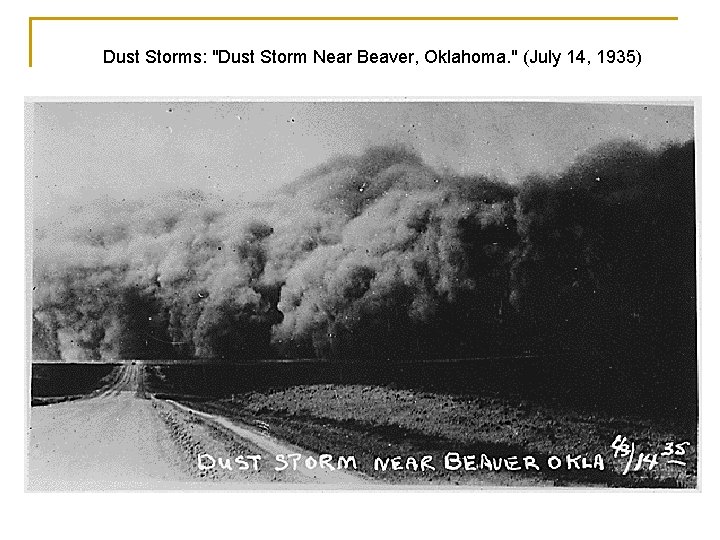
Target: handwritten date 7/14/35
[{"x": 673, "y": 452}]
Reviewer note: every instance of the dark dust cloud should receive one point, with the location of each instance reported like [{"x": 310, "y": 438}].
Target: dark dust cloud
[{"x": 379, "y": 256}]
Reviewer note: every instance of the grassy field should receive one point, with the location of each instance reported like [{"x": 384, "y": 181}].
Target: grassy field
[
  {"x": 380, "y": 421},
  {"x": 54, "y": 382}
]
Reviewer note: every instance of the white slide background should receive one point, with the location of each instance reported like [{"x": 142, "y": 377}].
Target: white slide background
[{"x": 679, "y": 61}]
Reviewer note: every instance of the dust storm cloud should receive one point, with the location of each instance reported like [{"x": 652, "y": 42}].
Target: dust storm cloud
[{"x": 378, "y": 256}]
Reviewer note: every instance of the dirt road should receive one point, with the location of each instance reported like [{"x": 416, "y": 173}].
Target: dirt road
[{"x": 124, "y": 439}]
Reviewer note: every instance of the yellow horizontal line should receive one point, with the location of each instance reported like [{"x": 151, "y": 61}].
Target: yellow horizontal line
[
  {"x": 338, "y": 18},
  {"x": 361, "y": 18}
]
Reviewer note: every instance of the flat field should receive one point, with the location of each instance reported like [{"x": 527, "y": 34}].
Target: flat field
[
  {"x": 55, "y": 381},
  {"x": 372, "y": 421}
]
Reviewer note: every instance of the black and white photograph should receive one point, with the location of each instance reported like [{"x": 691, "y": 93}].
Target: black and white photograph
[{"x": 352, "y": 295}]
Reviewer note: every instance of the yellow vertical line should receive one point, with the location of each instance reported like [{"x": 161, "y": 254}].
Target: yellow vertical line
[{"x": 30, "y": 20}]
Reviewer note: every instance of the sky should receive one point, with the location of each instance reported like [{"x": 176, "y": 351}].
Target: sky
[{"x": 86, "y": 151}]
